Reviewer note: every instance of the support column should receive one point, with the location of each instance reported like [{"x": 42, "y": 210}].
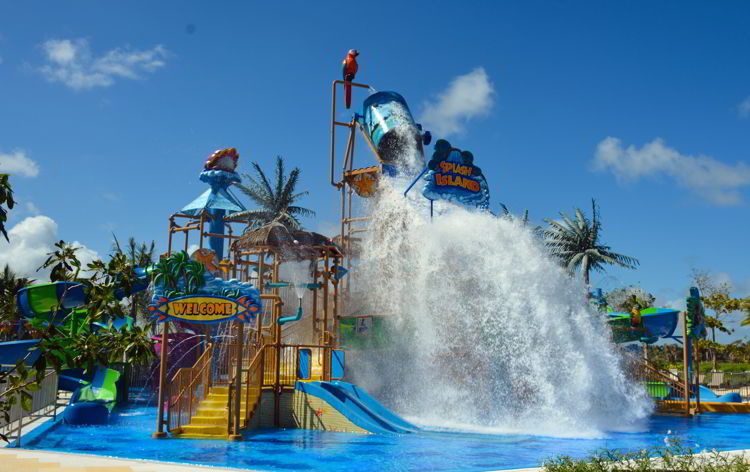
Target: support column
[
  {"x": 160, "y": 434},
  {"x": 238, "y": 383},
  {"x": 277, "y": 343},
  {"x": 685, "y": 358},
  {"x": 697, "y": 364},
  {"x": 169, "y": 242}
]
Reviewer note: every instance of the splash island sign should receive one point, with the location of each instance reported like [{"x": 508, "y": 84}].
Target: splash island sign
[
  {"x": 453, "y": 176},
  {"x": 205, "y": 309}
]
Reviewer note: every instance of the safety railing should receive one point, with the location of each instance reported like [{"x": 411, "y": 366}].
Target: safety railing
[
  {"x": 44, "y": 403},
  {"x": 281, "y": 368},
  {"x": 252, "y": 386},
  {"x": 187, "y": 388},
  {"x": 660, "y": 385}
]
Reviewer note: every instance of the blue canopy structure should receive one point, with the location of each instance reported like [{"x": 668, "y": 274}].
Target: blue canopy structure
[{"x": 218, "y": 201}]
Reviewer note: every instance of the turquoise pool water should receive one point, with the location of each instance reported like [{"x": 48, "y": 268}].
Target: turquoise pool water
[{"x": 282, "y": 450}]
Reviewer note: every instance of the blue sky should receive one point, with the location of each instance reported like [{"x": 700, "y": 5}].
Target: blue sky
[{"x": 107, "y": 112}]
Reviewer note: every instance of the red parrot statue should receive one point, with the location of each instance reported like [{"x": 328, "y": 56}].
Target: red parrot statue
[{"x": 349, "y": 69}]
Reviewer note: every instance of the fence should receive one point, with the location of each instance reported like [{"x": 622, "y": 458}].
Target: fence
[{"x": 43, "y": 404}]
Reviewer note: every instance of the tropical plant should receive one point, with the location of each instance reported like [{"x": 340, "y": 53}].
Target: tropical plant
[
  {"x": 524, "y": 220},
  {"x": 629, "y": 298},
  {"x": 63, "y": 262},
  {"x": 170, "y": 270},
  {"x": 274, "y": 203},
  {"x": 140, "y": 255},
  {"x": 59, "y": 348},
  {"x": 576, "y": 244},
  {"x": 10, "y": 284},
  {"x": 6, "y": 198}
]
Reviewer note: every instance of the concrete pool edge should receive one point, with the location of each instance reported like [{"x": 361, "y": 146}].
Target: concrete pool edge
[{"x": 22, "y": 460}]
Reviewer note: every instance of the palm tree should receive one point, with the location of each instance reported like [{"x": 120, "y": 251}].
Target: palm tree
[
  {"x": 274, "y": 204},
  {"x": 10, "y": 284},
  {"x": 139, "y": 255},
  {"x": 576, "y": 244}
]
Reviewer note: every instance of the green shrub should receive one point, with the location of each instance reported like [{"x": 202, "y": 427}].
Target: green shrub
[{"x": 673, "y": 457}]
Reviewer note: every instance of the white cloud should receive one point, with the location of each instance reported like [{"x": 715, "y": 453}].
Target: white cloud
[
  {"x": 743, "y": 109},
  {"x": 72, "y": 63},
  {"x": 468, "y": 96},
  {"x": 18, "y": 163},
  {"x": 30, "y": 241},
  {"x": 192, "y": 248},
  {"x": 715, "y": 181}
]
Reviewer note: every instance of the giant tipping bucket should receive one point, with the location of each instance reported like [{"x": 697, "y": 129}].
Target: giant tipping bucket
[{"x": 392, "y": 132}]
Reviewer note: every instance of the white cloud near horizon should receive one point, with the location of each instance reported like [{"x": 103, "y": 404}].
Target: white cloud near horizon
[
  {"x": 30, "y": 241},
  {"x": 715, "y": 181},
  {"x": 72, "y": 63},
  {"x": 18, "y": 163},
  {"x": 467, "y": 96},
  {"x": 743, "y": 109}
]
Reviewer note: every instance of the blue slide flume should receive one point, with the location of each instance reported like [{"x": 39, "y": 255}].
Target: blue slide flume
[{"x": 358, "y": 406}]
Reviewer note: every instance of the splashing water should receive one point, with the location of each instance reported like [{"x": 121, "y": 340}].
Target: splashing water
[{"x": 487, "y": 333}]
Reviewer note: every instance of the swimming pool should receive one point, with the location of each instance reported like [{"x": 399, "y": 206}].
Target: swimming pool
[{"x": 282, "y": 450}]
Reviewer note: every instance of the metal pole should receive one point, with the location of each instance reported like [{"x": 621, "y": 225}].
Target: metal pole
[
  {"x": 238, "y": 382},
  {"x": 169, "y": 243},
  {"x": 336, "y": 303},
  {"x": 333, "y": 134},
  {"x": 200, "y": 241},
  {"x": 160, "y": 434},
  {"x": 325, "y": 298},
  {"x": 277, "y": 330},
  {"x": 685, "y": 357},
  {"x": 259, "y": 319},
  {"x": 697, "y": 380}
]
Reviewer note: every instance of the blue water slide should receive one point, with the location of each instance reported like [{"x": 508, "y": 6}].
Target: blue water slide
[
  {"x": 708, "y": 395},
  {"x": 358, "y": 406},
  {"x": 11, "y": 351},
  {"x": 373, "y": 405}
]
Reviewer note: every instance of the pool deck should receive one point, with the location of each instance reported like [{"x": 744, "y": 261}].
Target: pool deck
[{"x": 26, "y": 460}]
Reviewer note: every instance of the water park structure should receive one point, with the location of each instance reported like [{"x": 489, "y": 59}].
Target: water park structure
[{"x": 272, "y": 311}]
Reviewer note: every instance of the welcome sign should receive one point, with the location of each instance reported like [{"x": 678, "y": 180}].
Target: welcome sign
[
  {"x": 453, "y": 176},
  {"x": 204, "y": 309}
]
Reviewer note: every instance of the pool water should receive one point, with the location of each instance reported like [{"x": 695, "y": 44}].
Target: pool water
[{"x": 129, "y": 436}]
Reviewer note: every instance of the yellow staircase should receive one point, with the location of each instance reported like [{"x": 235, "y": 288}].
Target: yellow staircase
[{"x": 212, "y": 416}]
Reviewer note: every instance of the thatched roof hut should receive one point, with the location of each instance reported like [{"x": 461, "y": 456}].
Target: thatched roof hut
[{"x": 294, "y": 244}]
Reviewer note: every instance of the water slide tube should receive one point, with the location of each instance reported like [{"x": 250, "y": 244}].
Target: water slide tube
[
  {"x": 647, "y": 327},
  {"x": 93, "y": 402},
  {"x": 38, "y": 299},
  {"x": 358, "y": 406}
]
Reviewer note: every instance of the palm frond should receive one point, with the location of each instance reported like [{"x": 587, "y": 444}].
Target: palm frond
[
  {"x": 279, "y": 176},
  {"x": 263, "y": 180}
]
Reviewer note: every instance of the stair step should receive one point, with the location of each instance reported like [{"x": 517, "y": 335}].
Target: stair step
[
  {"x": 204, "y": 429},
  {"x": 210, "y": 420},
  {"x": 200, "y": 436},
  {"x": 211, "y": 412}
]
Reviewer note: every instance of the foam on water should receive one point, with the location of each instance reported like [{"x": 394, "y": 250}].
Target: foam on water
[{"x": 489, "y": 334}]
